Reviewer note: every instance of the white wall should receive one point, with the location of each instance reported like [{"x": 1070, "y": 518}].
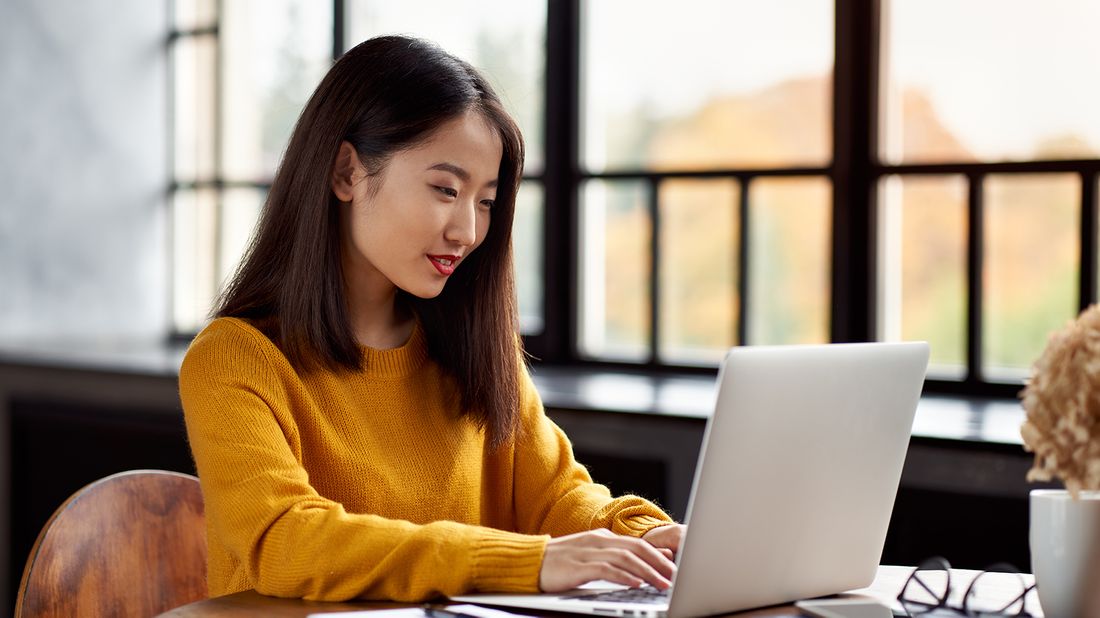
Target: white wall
[{"x": 83, "y": 168}]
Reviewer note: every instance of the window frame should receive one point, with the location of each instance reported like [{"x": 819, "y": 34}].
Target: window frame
[
  {"x": 218, "y": 183},
  {"x": 559, "y": 343},
  {"x": 855, "y": 172},
  {"x": 974, "y": 383}
]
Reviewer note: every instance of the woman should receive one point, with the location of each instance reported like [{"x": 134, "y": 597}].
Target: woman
[{"x": 360, "y": 416}]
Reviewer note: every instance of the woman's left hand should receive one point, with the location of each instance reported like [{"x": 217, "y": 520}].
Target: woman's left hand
[{"x": 666, "y": 538}]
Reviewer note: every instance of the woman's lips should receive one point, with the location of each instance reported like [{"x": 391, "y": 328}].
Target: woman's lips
[{"x": 445, "y": 264}]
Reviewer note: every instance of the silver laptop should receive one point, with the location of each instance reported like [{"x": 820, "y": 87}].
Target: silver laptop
[{"x": 796, "y": 480}]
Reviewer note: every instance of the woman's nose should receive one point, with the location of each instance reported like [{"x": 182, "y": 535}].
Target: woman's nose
[{"x": 462, "y": 227}]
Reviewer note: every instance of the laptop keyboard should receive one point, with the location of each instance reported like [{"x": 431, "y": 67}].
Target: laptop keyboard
[{"x": 647, "y": 594}]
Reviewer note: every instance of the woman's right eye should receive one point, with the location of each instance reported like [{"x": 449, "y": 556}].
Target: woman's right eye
[{"x": 449, "y": 192}]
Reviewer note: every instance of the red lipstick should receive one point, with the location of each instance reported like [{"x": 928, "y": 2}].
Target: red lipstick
[{"x": 445, "y": 264}]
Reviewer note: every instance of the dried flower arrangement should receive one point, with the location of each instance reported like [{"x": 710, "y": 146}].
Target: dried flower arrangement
[{"x": 1062, "y": 402}]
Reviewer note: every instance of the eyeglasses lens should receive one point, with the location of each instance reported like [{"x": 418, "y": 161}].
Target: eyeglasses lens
[
  {"x": 996, "y": 592},
  {"x": 926, "y": 589}
]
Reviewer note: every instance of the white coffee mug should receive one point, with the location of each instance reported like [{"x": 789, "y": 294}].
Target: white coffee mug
[{"x": 1065, "y": 549}]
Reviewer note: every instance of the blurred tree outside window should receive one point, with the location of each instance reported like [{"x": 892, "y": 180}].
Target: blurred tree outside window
[
  {"x": 965, "y": 94},
  {"x": 734, "y": 89}
]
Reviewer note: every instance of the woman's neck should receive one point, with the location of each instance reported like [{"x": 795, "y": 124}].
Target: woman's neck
[
  {"x": 378, "y": 319},
  {"x": 387, "y": 338},
  {"x": 382, "y": 329}
]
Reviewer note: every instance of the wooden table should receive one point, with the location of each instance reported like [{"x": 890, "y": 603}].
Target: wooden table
[{"x": 888, "y": 582}]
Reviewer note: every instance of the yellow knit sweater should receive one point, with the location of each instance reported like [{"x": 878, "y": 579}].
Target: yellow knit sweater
[{"x": 333, "y": 486}]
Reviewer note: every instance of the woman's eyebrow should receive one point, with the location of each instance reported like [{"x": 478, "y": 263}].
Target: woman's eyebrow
[{"x": 458, "y": 171}]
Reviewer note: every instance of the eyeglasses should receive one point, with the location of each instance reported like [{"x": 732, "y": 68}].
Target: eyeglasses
[{"x": 928, "y": 590}]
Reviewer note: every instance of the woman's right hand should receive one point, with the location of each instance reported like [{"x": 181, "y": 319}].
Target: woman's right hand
[{"x": 578, "y": 558}]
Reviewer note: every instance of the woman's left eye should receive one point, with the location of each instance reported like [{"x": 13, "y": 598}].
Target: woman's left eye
[
  {"x": 488, "y": 203},
  {"x": 449, "y": 192}
]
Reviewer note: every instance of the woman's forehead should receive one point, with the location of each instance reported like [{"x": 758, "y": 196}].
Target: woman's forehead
[{"x": 468, "y": 142}]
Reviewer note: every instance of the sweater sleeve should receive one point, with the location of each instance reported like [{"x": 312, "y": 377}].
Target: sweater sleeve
[
  {"x": 555, "y": 495},
  {"x": 288, "y": 539}
]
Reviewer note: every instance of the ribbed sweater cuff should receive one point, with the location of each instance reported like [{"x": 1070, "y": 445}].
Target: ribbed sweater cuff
[
  {"x": 630, "y": 516},
  {"x": 508, "y": 562},
  {"x": 637, "y": 525}
]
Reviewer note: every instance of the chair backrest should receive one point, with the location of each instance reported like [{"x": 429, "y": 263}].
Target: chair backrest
[{"x": 130, "y": 544}]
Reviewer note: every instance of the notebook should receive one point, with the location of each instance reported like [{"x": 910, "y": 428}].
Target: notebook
[{"x": 796, "y": 479}]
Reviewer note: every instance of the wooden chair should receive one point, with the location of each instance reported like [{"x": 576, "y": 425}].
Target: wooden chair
[{"x": 130, "y": 544}]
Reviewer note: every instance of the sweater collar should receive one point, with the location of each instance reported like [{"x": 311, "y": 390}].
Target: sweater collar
[{"x": 397, "y": 362}]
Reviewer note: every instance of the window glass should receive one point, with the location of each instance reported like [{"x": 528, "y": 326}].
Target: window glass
[
  {"x": 1031, "y": 267},
  {"x": 192, "y": 14},
  {"x": 789, "y": 260},
  {"x": 615, "y": 263},
  {"x": 699, "y": 229},
  {"x": 990, "y": 80},
  {"x": 194, "y": 222},
  {"x": 527, "y": 244},
  {"x": 237, "y": 219},
  {"x": 194, "y": 106},
  {"x": 503, "y": 38},
  {"x": 275, "y": 52},
  {"x": 922, "y": 267},
  {"x": 702, "y": 84}
]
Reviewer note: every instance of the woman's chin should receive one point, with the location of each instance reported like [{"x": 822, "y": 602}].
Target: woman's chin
[{"x": 424, "y": 292}]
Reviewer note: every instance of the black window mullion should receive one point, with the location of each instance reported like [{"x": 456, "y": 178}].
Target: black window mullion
[
  {"x": 339, "y": 36},
  {"x": 558, "y": 341},
  {"x": 175, "y": 34},
  {"x": 170, "y": 193},
  {"x": 219, "y": 111},
  {"x": 742, "y": 270},
  {"x": 218, "y": 185},
  {"x": 654, "y": 207},
  {"x": 1081, "y": 166},
  {"x": 1088, "y": 266},
  {"x": 975, "y": 255},
  {"x": 855, "y": 121},
  {"x": 701, "y": 174}
]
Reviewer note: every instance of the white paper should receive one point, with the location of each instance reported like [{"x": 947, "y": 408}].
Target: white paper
[
  {"x": 407, "y": 612},
  {"x": 416, "y": 612},
  {"x": 480, "y": 612}
]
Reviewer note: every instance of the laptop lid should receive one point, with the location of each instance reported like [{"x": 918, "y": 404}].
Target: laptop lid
[
  {"x": 798, "y": 473},
  {"x": 795, "y": 484}
]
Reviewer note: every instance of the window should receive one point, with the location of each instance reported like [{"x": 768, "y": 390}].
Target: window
[
  {"x": 989, "y": 154},
  {"x": 789, "y": 171},
  {"x": 705, "y": 199},
  {"x": 241, "y": 72}
]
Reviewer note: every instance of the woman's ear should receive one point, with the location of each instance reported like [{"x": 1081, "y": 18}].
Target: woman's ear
[{"x": 346, "y": 171}]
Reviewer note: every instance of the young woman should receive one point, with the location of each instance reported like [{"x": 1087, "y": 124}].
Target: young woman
[{"x": 359, "y": 412}]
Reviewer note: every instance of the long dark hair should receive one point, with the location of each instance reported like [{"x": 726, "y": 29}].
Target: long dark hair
[{"x": 385, "y": 95}]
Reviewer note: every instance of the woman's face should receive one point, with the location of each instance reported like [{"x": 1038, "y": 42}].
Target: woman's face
[{"x": 412, "y": 225}]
